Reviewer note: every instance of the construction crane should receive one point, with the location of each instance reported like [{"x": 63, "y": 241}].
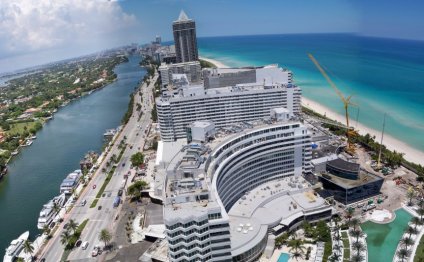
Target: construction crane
[{"x": 346, "y": 103}]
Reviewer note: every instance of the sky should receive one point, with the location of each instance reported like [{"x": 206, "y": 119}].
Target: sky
[{"x": 37, "y": 32}]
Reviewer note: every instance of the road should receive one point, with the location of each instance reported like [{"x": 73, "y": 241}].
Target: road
[{"x": 134, "y": 131}]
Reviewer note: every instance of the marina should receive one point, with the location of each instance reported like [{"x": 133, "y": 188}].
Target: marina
[{"x": 38, "y": 170}]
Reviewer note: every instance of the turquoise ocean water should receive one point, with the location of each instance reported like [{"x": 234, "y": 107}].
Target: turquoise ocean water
[{"x": 383, "y": 75}]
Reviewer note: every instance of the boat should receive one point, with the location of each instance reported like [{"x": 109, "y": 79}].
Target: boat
[
  {"x": 34, "y": 137},
  {"x": 70, "y": 182},
  {"x": 14, "y": 153},
  {"x": 15, "y": 247},
  {"x": 28, "y": 143},
  {"x": 48, "y": 211}
]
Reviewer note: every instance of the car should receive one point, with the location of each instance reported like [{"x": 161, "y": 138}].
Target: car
[
  {"x": 95, "y": 252},
  {"x": 84, "y": 202},
  {"x": 120, "y": 192},
  {"x": 99, "y": 208},
  {"x": 78, "y": 243},
  {"x": 66, "y": 226},
  {"x": 123, "y": 164},
  {"x": 84, "y": 245},
  {"x": 94, "y": 186}
]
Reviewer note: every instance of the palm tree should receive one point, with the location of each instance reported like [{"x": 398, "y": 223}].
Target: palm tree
[
  {"x": 407, "y": 242},
  {"x": 358, "y": 246},
  {"x": 356, "y": 233},
  {"x": 420, "y": 203},
  {"x": 357, "y": 258},
  {"x": 354, "y": 223},
  {"x": 46, "y": 229},
  {"x": 420, "y": 212},
  {"x": 64, "y": 237},
  {"x": 411, "y": 231},
  {"x": 410, "y": 194},
  {"x": 105, "y": 236},
  {"x": 416, "y": 222},
  {"x": 28, "y": 248},
  {"x": 56, "y": 207},
  {"x": 73, "y": 225},
  {"x": 338, "y": 248},
  {"x": 403, "y": 253},
  {"x": 349, "y": 213},
  {"x": 335, "y": 257},
  {"x": 296, "y": 247}
]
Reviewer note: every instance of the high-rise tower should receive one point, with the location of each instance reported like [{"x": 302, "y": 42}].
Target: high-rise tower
[{"x": 185, "y": 39}]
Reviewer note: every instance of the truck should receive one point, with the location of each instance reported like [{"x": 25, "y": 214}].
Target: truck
[{"x": 117, "y": 201}]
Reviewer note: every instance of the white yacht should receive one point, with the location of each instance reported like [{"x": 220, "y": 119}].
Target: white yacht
[
  {"x": 15, "y": 247},
  {"x": 48, "y": 211}
]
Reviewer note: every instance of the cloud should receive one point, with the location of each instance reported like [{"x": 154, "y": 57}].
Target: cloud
[{"x": 28, "y": 26}]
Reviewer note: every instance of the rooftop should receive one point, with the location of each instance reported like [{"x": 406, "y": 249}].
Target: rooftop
[{"x": 364, "y": 178}]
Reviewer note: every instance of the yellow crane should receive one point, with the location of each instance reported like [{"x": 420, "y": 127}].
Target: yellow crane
[{"x": 345, "y": 100}]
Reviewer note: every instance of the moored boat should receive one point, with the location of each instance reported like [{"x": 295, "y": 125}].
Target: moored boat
[{"x": 15, "y": 247}]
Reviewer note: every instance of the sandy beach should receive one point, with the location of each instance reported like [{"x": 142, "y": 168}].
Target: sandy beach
[
  {"x": 411, "y": 154},
  {"x": 215, "y": 62}
]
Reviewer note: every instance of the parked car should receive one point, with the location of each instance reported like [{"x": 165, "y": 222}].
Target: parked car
[
  {"x": 78, "y": 243},
  {"x": 84, "y": 245},
  {"x": 84, "y": 202},
  {"x": 94, "y": 186},
  {"x": 99, "y": 208}
]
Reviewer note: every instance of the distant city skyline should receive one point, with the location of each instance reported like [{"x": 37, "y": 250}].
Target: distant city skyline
[{"x": 38, "y": 32}]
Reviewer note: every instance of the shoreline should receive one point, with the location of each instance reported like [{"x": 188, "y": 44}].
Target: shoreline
[{"x": 410, "y": 154}]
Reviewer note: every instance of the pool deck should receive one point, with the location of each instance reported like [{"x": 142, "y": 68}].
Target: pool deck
[{"x": 380, "y": 216}]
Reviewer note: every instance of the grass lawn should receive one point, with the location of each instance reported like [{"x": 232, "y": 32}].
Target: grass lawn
[
  {"x": 19, "y": 128},
  {"x": 419, "y": 254}
]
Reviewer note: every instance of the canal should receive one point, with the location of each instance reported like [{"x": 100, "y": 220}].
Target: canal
[{"x": 36, "y": 173}]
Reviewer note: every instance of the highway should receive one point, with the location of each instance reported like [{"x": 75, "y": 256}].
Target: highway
[{"x": 104, "y": 217}]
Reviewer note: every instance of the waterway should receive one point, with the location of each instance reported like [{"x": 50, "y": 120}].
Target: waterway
[
  {"x": 382, "y": 239},
  {"x": 35, "y": 175}
]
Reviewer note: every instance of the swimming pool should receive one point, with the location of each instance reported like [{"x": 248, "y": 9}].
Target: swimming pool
[
  {"x": 382, "y": 239},
  {"x": 284, "y": 257}
]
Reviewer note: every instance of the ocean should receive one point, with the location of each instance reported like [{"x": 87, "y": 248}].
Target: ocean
[{"x": 383, "y": 75}]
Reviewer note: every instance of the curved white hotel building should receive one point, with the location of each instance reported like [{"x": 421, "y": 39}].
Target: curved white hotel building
[{"x": 226, "y": 200}]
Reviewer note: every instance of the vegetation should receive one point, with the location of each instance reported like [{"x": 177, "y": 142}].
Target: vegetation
[
  {"x": 105, "y": 236},
  {"x": 130, "y": 109},
  {"x": 206, "y": 64},
  {"x": 135, "y": 189},
  {"x": 108, "y": 178},
  {"x": 26, "y": 101},
  {"x": 137, "y": 159},
  {"x": 419, "y": 254},
  {"x": 29, "y": 248}
]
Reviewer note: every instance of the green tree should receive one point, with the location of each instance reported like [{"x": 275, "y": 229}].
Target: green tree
[
  {"x": 137, "y": 159},
  {"x": 407, "y": 242},
  {"x": 72, "y": 225},
  {"x": 356, "y": 233},
  {"x": 135, "y": 189},
  {"x": 410, "y": 194},
  {"x": 28, "y": 248},
  {"x": 105, "y": 236},
  {"x": 64, "y": 237},
  {"x": 403, "y": 254},
  {"x": 296, "y": 248}
]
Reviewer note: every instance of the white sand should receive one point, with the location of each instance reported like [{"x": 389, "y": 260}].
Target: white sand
[
  {"x": 215, "y": 62},
  {"x": 411, "y": 154}
]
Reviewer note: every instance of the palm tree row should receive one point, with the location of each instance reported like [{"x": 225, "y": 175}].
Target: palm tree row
[
  {"x": 403, "y": 253},
  {"x": 71, "y": 233}
]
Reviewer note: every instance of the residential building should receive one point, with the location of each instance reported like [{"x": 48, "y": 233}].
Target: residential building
[
  {"x": 193, "y": 71},
  {"x": 225, "y": 106},
  {"x": 184, "y": 30}
]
